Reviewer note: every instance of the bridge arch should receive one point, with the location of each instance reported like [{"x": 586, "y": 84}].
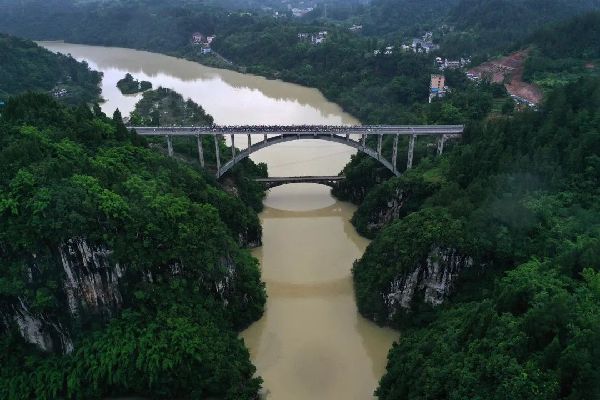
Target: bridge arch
[{"x": 270, "y": 141}]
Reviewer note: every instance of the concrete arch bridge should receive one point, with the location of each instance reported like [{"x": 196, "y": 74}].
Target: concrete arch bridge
[{"x": 353, "y": 136}]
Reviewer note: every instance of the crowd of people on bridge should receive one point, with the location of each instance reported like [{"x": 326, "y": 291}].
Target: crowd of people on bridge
[{"x": 286, "y": 128}]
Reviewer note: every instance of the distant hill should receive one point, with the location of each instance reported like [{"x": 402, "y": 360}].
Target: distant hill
[
  {"x": 564, "y": 52},
  {"x": 25, "y": 66},
  {"x": 474, "y": 27}
]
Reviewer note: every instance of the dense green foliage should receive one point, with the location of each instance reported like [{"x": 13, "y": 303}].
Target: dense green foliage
[
  {"x": 69, "y": 173},
  {"x": 128, "y": 85},
  {"x": 520, "y": 196},
  {"x": 25, "y": 66},
  {"x": 468, "y": 102},
  {"x": 165, "y": 107},
  {"x": 564, "y": 53}
]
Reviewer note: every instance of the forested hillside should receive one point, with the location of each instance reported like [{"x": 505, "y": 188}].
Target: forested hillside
[
  {"x": 24, "y": 66},
  {"x": 121, "y": 269},
  {"x": 512, "y": 229},
  {"x": 565, "y": 52}
]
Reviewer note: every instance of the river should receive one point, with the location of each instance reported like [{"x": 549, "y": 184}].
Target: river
[{"x": 311, "y": 342}]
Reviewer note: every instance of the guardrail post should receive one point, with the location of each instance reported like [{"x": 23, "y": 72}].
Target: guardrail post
[
  {"x": 218, "y": 156},
  {"x": 200, "y": 150},
  {"x": 411, "y": 151},
  {"x": 169, "y": 145},
  {"x": 395, "y": 153}
]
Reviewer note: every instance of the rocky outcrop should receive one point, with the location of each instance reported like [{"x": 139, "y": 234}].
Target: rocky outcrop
[
  {"x": 92, "y": 287},
  {"x": 91, "y": 281},
  {"x": 37, "y": 329},
  {"x": 389, "y": 213},
  {"x": 430, "y": 281},
  {"x": 90, "y": 284}
]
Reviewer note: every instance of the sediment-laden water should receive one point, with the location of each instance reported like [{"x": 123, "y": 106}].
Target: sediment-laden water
[{"x": 311, "y": 343}]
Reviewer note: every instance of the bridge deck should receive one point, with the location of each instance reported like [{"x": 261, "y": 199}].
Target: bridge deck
[
  {"x": 419, "y": 130},
  {"x": 300, "y": 179},
  {"x": 272, "y": 182}
]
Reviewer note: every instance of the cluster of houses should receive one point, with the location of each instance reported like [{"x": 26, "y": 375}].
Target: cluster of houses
[
  {"x": 444, "y": 63},
  {"x": 422, "y": 45},
  {"x": 313, "y": 38},
  {"x": 204, "y": 41}
]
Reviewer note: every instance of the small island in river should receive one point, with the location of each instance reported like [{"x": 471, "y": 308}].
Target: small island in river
[
  {"x": 165, "y": 107},
  {"x": 128, "y": 85}
]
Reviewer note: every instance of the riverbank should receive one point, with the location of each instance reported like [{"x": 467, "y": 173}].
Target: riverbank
[{"x": 311, "y": 328}]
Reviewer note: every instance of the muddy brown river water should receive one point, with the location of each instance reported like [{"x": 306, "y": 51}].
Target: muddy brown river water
[{"x": 311, "y": 342}]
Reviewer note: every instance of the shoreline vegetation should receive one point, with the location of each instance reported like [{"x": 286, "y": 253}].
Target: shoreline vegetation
[
  {"x": 128, "y": 85},
  {"x": 487, "y": 258}
]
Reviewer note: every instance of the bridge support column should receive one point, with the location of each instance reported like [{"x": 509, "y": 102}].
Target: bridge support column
[
  {"x": 364, "y": 140},
  {"x": 249, "y": 141},
  {"x": 218, "y": 155},
  {"x": 200, "y": 150},
  {"x": 411, "y": 151},
  {"x": 379, "y": 142},
  {"x": 169, "y": 145},
  {"x": 233, "y": 146},
  {"x": 440, "y": 145},
  {"x": 395, "y": 153},
  {"x": 347, "y": 137},
  {"x": 265, "y": 137}
]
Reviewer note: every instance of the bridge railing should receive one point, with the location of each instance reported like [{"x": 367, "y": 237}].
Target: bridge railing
[{"x": 430, "y": 130}]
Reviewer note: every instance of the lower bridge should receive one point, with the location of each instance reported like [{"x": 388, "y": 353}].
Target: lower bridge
[{"x": 284, "y": 180}]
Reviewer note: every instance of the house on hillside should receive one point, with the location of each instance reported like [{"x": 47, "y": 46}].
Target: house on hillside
[{"x": 437, "y": 87}]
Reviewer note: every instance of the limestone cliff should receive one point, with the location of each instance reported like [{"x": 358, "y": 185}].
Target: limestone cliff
[
  {"x": 92, "y": 287},
  {"x": 430, "y": 281},
  {"x": 390, "y": 201}
]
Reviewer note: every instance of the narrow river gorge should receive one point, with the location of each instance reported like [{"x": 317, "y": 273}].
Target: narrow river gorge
[{"x": 311, "y": 342}]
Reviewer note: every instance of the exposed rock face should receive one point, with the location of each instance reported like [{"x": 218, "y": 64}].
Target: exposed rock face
[
  {"x": 90, "y": 285},
  {"x": 91, "y": 281},
  {"x": 37, "y": 329},
  {"x": 431, "y": 280},
  {"x": 388, "y": 214}
]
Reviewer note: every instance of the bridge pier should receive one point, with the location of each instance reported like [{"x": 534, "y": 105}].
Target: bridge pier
[
  {"x": 379, "y": 144},
  {"x": 411, "y": 151},
  {"x": 395, "y": 153},
  {"x": 440, "y": 145},
  {"x": 249, "y": 141},
  {"x": 200, "y": 150},
  {"x": 218, "y": 156},
  {"x": 364, "y": 140},
  {"x": 233, "y": 146},
  {"x": 169, "y": 145}
]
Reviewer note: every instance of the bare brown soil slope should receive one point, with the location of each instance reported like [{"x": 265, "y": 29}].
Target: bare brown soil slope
[{"x": 509, "y": 70}]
